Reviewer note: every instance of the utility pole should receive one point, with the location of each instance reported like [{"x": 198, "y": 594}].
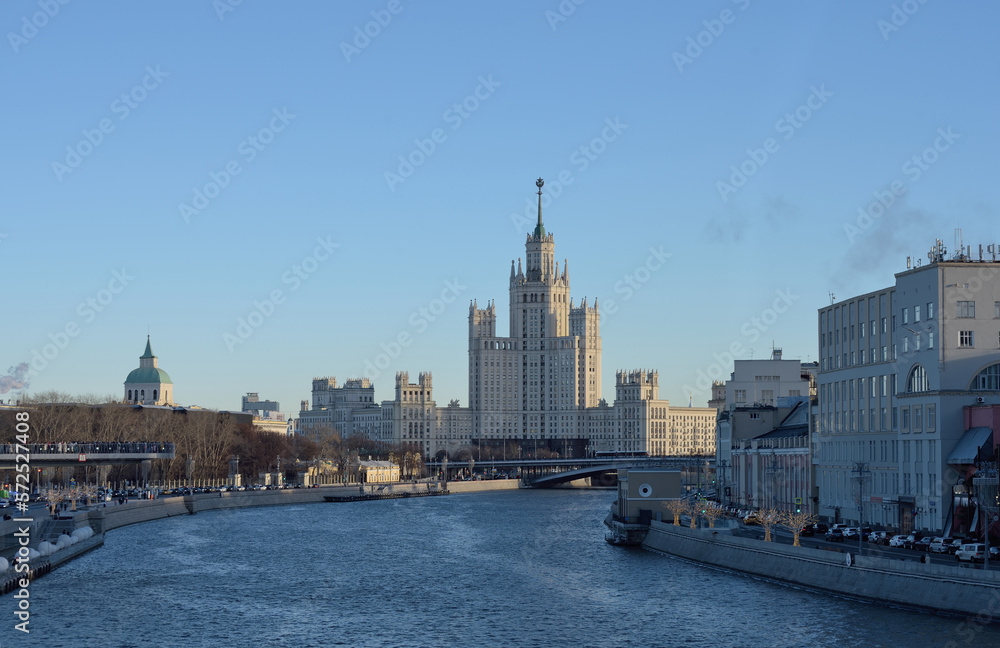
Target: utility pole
[
  {"x": 722, "y": 464},
  {"x": 772, "y": 471},
  {"x": 985, "y": 482},
  {"x": 861, "y": 473}
]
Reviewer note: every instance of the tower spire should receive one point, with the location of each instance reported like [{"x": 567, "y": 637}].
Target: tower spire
[{"x": 539, "y": 228}]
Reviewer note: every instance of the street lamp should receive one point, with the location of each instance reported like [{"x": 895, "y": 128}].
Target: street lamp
[
  {"x": 772, "y": 473},
  {"x": 722, "y": 465},
  {"x": 986, "y": 482},
  {"x": 861, "y": 473}
]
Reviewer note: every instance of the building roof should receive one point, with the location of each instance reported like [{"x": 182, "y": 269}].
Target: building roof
[
  {"x": 377, "y": 464},
  {"x": 967, "y": 449},
  {"x": 149, "y": 350},
  {"x": 795, "y": 423},
  {"x": 148, "y": 375}
]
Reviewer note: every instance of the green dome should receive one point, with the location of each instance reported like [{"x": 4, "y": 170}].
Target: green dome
[{"x": 149, "y": 375}]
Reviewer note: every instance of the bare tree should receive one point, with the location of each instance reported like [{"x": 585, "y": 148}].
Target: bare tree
[
  {"x": 769, "y": 518},
  {"x": 712, "y": 512},
  {"x": 677, "y": 507},
  {"x": 795, "y": 522}
]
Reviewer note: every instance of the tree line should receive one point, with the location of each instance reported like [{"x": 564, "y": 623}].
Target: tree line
[{"x": 205, "y": 441}]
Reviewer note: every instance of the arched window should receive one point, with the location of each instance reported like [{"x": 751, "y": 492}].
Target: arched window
[
  {"x": 142, "y": 394},
  {"x": 154, "y": 394},
  {"x": 130, "y": 394},
  {"x": 987, "y": 379},
  {"x": 917, "y": 381}
]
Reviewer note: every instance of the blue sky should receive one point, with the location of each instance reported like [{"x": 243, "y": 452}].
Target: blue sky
[{"x": 290, "y": 123}]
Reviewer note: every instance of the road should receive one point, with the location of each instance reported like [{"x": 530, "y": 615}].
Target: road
[{"x": 867, "y": 548}]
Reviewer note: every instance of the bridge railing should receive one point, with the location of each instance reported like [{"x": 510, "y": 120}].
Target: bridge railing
[{"x": 113, "y": 447}]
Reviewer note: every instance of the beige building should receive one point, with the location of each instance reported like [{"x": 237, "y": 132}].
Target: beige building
[
  {"x": 535, "y": 390},
  {"x": 378, "y": 472}
]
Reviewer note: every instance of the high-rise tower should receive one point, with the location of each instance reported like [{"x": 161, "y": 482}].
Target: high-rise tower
[{"x": 530, "y": 388}]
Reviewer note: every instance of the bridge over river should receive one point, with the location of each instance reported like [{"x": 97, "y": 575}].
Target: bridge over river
[
  {"x": 48, "y": 455},
  {"x": 546, "y": 473}
]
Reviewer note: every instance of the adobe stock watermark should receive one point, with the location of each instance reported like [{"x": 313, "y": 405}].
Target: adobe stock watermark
[
  {"x": 899, "y": 16},
  {"x": 581, "y": 159},
  {"x": 419, "y": 321},
  {"x": 751, "y": 329},
  {"x": 121, "y": 107},
  {"x": 87, "y": 310},
  {"x": 786, "y": 126},
  {"x": 913, "y": 168},
  {"x": 247, "y": 150},
  {"x": 714, "y": 28},
  {"x": 634, "y": 281},
  {"x": 38, "y": 20},
  {"x": 264, "y": 308},
  {"x": 223, "y": 7},
  {"x": 456, "y": 116},
  {"x": 563, "y": 11},
  {"x": 363, "y": 35}
]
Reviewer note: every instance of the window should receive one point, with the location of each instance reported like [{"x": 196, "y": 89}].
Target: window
[
  {"x": 918, "y": 419},
  {"x": 965, "y": 339},
  {"x": 965, "y": 309},
  {"x": 741, "y": 395},
  {"x": 917, "y": 381},
  {"x": 754, "y": 416},
  {"x": 930, "y": 340},
  {"x": 988, "y": 378},
  {"x": 996, "y": 310},
  {"x": 916, "y": 313},
  {"x": 931, "y": 422},
  {"x": 930, "y": 310},
  {"x": 906, "y": 422},
  {"x": 906, "y": 316}
]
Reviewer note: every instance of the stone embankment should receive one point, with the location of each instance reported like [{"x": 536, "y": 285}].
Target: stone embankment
[{"x": 938, "y": 588}]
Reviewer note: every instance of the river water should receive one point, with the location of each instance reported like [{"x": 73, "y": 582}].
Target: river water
[{"x": 494, "y": 569}]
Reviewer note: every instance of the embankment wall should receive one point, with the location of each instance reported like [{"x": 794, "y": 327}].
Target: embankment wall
[{"x": 941, "y": 588}]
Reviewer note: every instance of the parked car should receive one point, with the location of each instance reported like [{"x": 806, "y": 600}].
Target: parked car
[
  {"x": 807, "y": 531},
  {"x": 971, "y": 552},
  {"x": 751, "y": 519},
  {"x": 939, "y": 545},
  {"x": 878, "y": 537},
  {"x": 910, "y": 541},
  {"x": 835, "y": 535},
  {"x": 897, "y": 541},
  {"x": 994, "y": 553},
  {"x": 923, "y": 544},
  {"x": 850, "y": 533},
  {"x": 955, "y": 545},
  {"x": 820, "y": 527}
]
